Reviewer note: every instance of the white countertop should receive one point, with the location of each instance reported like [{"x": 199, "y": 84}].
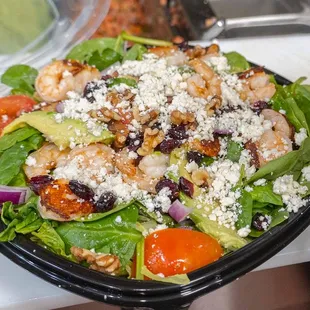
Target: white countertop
[{"x": 288, "y": 56}]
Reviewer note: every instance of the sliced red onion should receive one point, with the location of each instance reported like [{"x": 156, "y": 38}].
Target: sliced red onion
[
  {"x": 60, "y": 107},
  {"x": 17, "y": 195},
  {"x": 105, "y": 71},
  {"x": 178, "y": 211},
  {"x": 223, "y": 131}
]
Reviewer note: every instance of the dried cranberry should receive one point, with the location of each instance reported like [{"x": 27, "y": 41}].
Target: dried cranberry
[
  {"x": 105, "y": 202},
  {"x": 134, "y": 143},
  {"x": 89, "y": 91},
  {"x": 183, "y": 46},
  {"x": 252, "y": 148},
  {"x": 173, "y": 187},
  {"x": 260, "y": 222},
  {"x": 177, "y": 132},
  {"x": 169, "y": 99},
  {"x": 258, "y": 106},
  {"x": 194, "y": 156},
  {"x": 38, "y": 182},
  {"x": 168, "y": 145},
  {"x": 106, "y": 77},
  {"x": 81, "y": 190},
  {"x": 186, "y": 186}
]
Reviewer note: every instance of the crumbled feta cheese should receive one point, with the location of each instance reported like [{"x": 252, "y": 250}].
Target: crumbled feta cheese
[
  {"x": 282, "y": 112},
  {"x": 118, "y": 219},
  {"x": 244, "y": 232},
  {"x": 4, "y": 118},
  {"x": 190, "y": 167},
  {"x": 260, "y": 182},
  {"x": 300, "y": 136},
  {"x": 306, "y": 173},
  {"x": 290, "y": 192},
  {"x": 31, "y": 161}
]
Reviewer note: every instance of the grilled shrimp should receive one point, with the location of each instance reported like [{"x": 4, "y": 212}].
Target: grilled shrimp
[
  {"x": 257, "y": 86},
  {"x": 212, "y": 82},
  {"x": 132, "y": 174},
  {"x": 58, "y": 202},
  {"x": 61, "y": 76},
  {"x": 272, "y": 145},
  {"x": 279, "y": 123},
  {"x": 173, "y": 56},
  {"x": 94, "y": 157},
  {"x": 154, "y": 165},
  {"x": 41, "y": 161}
]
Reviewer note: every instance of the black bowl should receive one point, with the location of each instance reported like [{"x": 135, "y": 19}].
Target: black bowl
[{"x": 155, "y": 295}]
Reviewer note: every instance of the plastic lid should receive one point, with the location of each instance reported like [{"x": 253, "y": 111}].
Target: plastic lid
[{"x": 34, "y": 32}]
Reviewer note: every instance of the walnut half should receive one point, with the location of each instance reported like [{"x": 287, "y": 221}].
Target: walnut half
[
  {"x": 178, "y": 118},
  {"x": 152, "y": 137},
  {"x": 105, "y": 263}
]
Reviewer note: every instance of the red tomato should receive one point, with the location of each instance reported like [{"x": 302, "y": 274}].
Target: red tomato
[
  {"x": 12, "y": 106},
  {"x": 175, "y": 251}
]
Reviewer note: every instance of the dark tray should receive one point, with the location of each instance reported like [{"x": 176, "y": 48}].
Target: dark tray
[{"x": 151, "y": 294}]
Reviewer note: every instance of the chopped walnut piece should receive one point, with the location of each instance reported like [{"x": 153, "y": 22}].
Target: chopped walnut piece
[
  {"x": 215, "y": 103},
  {"x": 196, "y": 52},
  {"x": 105, "y": 263},
  {"x": 200, "y": 177},
  {"x": 152, "y": 137},
  {"x": 179, "y": 118},
  {"x": 104, "y": 115},
  {"x": 149, "y": 118},
  {"x": 207, "y": 147},
  {"x": 121, "y": 132}
]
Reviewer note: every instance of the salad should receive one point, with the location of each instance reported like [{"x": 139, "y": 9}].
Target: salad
[{"x": 139, "y": 158}]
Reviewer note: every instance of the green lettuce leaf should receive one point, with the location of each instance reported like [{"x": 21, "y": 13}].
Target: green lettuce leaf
[
  {"x": 122, "y": 80},
  {"x": 115, "y": 234},
  {"x": 145, "y": 41},
  {"x": 181, "y": 279},
  {"x": 12, "y": 138},
  {"x": 237, "y": 62},
  {"x": 12, "y": 159},
  {"x": 104, "y": 59},
  {"x": 228, "y": 238},
  {"x": 21, "y": 77},
  {"x": 234, "y": 150}
]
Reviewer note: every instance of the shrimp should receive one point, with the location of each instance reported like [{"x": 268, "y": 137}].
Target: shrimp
[
  {"x": 58, "y": 202},
  {"x": 132, "y": 174},
  {"x": 212, "y": 85},
  {"x": 94, "y": 156},
  {"x": 279, "y": 123},
  {"x": 173, "y": 56},
  {"x": 61, "y": 76},
  {"x": 41, "y": 161},
  {"x": 154, "y": 165},
  {"x": 257, "y": 86},
  {"x": 272, "y": 145}
]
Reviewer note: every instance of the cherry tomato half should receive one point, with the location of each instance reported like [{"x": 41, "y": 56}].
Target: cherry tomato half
[
  {"x": 12, "y": 106},
  {"x": 175, "y": 251}
]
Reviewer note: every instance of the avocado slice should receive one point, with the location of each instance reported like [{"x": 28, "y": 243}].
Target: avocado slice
[{"x": 59, "y": 133}]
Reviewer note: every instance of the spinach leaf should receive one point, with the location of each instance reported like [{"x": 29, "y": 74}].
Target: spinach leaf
[
  {"x": 237, "y": 62},
  {"x": 48, "y": 237},
  {"x": 135, "y": 52},
  {"x": 245, "y": 217},
  {"x": 265, "y": 194},
  {"x": 277, "y": 217},
  {"x": 122, "y": 80},
  {"x": 294, "y": 114},
  {"x": 291, "y": 163},
  {"x": 115, "y": 234},
  {"x": 302, "y": 97},
  {"x": 13, "y": 158},
  {"x": 12, "y": 138},
  {"x": 85, "y": 50},
  {"x": 104, "y": 59},
  {"x": 19, "y": 180},
  {"x": 206, "y": 161},
  {"x": 234, "y": 150},
  {"x": 97, "y": 216},
  {"x": 20, "y": 77}
]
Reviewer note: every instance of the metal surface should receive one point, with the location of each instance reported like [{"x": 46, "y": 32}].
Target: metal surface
[{"x": 206, "y": 20}]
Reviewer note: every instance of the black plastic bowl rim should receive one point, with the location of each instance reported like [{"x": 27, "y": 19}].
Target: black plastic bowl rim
[{"x": 156, "y": 295}]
